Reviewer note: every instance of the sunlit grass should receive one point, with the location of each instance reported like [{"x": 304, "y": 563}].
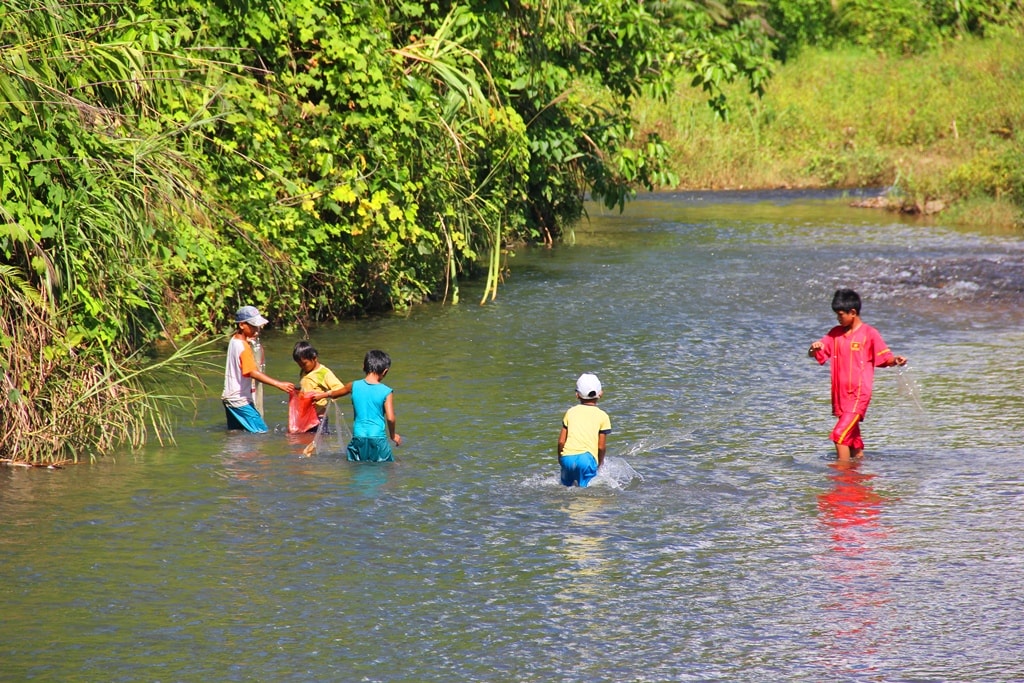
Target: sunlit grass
[{"x": 948, "y": 124}]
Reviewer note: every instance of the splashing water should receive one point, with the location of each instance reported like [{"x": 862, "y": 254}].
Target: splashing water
[
  {"x": 659, "y": 441},
  {"x": 616, "y": 473}
]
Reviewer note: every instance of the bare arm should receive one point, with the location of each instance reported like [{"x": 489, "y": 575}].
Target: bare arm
[
  {"x": 333, "y": 393},
  {"x": 389, "y": 415},
  {"x": 601, "y": 440},
  {"x": 561, "y": 440},
  {"x": 267, "y": 379}
]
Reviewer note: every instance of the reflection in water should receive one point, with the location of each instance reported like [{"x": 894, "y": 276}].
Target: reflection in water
[
  {"x": 369, "y": 477},
  {"x": 242, "y": 458},
  {"x": 856, "y": 614},
  {"x": 231, "y": 557},
  {"x": 583, "y": 544}
]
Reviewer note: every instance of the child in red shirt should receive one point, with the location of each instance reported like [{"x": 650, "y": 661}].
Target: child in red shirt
[{"x": 855, "y": 349}]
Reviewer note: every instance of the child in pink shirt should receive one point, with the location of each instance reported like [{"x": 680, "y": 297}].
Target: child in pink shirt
[{"x": 855, "y": 349}]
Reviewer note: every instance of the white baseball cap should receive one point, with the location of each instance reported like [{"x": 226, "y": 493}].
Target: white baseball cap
[{"x": 588, "y": 386}]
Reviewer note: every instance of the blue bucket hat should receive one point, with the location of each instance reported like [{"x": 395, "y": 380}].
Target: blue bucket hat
[{"x": 249, "y": 314}]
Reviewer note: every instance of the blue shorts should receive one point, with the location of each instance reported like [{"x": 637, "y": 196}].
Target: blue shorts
[
  {"x": 370, "y": 449},
  {"x": 245, "y": 417},
  {"x": 579, "y": 468}
]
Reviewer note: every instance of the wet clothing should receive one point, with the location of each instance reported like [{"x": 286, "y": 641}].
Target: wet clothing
[
  {"x": 583, "y": 424},
  {"x": 854, "y": 355},
  {"x": 847, "y": 431},
  {"x": 369, "y": 425},
  {"x": 577, "y": 469},
  {"x": 245, "y": 417},
  {"x": 370, "y": 449},
  {"x": 239, "y": 390}
]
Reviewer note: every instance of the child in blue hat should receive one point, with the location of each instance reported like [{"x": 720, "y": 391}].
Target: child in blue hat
[{"x": 241, "y": 372}]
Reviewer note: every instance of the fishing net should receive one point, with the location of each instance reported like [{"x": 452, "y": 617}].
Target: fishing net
[
  {"x": 908, "y": 387},
  {"x": 261, "y": 364},
  {"x": 334, "y": 434}
]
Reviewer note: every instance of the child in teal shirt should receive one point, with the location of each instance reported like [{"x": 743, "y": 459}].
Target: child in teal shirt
[{"x": 374, "y": 408}]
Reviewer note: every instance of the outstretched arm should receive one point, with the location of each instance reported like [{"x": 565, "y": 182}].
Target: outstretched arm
[
  {"x": 333, "y": 393},
  {"x": 267, "y": 379}
]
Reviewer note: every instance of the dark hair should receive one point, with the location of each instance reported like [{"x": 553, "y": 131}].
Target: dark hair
[
  {"x": 304, "y": 351},
  {"x": 376, "y": 362},
  {"x": 846, "y": 300}
]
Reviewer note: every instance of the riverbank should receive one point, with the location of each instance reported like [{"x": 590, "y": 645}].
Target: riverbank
[{"x": 944, "y": 129}]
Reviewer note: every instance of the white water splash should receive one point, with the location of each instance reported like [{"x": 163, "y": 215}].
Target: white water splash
[
  {"x": 657, "y": 442},
  {"x": 616, "y": 473}
]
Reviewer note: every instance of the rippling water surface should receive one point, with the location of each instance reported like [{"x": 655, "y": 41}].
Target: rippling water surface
[{"x": 722, "y": 542}]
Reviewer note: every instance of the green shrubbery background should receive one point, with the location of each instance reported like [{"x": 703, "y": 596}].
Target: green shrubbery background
[
  {"x": 911, "y": 96},
  {"x": 167, "y": 161}
]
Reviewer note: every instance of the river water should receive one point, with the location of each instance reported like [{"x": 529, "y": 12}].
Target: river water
[{"x": 722, "y": 543}]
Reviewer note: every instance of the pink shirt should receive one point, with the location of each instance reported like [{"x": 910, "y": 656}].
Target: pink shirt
[{"x": 855, "y": 355}]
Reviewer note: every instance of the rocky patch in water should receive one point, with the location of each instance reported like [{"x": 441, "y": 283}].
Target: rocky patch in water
[{"x": 992, "y": 278}]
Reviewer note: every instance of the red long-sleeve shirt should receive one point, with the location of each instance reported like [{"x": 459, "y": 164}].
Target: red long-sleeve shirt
[{"x": 855, "y": 355}]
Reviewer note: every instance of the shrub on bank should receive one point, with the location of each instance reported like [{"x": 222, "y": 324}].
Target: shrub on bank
[{"x": 946, "y": 124}]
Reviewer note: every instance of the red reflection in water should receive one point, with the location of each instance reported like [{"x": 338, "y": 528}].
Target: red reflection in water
[
  {"x": 858, "y": 565},
  {"x": 850, "y": 503}
]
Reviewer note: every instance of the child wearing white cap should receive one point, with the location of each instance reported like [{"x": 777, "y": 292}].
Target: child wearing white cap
[
  {"x": 241, "y": 366},
  {"x": 581, "y": 443}
]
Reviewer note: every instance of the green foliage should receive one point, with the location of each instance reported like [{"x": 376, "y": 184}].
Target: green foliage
[
  {"x": 851, "y": 167},
  {"x": 90, "y": 185},
  {"x": 902, "y": 26},
  {"x": 167, "y": 161},
  {"x": 892, "y": 26},
  {"x": 800, "y": 23},
  {"x": 942, "y": 125},
  {"x": 572, "y": 71},
  {"x": 992, "y": 173},
  {"x": 974, "y": 17}
]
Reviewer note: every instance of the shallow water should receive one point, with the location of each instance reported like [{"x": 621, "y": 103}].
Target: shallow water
[{"x": 721, "y": 543}]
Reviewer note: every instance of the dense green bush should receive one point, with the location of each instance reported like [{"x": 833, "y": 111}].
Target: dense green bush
[
  {"x": 166, "y": 161},
  {"x": 893, "y": 26}
]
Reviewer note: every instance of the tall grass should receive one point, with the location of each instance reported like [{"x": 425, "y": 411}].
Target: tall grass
[
  {"x": 90, "y": 182},
  {"x": 947, "y": 124}
]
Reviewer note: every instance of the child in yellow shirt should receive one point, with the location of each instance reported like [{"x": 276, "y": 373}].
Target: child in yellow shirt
[{"x": 315, "y": 377}]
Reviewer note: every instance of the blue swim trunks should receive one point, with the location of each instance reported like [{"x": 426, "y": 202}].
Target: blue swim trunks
[
  {"x": 245, "y": 417},
  {"x": 579, "y": 468},
  {"x": 370, "y": 449}
]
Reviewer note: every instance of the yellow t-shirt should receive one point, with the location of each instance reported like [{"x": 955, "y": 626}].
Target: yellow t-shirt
[
  {"x": 320, "y": 379},
  {"x": 583, "y": 423}
]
